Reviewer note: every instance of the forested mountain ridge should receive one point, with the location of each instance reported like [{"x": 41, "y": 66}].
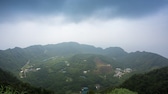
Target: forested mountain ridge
[
  {"x": 14, "y": 59},
  {"x": 154, "y": 82},
  {"x": 144, "y": 61},
  {"x": 66, "y": 67}
]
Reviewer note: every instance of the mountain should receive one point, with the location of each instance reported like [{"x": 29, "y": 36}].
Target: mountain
[
  {"x": 143, "y": 61},
  {"x": 154, "y": 82},
  {"x": 115, "y": 52},
  {"x": 13, "y": 59},
  {"x": 69, "y": 66}
]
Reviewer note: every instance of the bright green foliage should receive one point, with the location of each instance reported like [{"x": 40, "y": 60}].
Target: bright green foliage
[
  {"x": 8, "y": 90},
  {"x": 122, "y": 91}
]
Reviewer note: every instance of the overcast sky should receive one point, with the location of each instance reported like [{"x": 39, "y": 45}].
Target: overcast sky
[{"x": 131, "y": 24}]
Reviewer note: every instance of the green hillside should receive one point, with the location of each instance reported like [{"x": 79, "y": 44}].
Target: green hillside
[
  {"x": 12, "y": 59},
  {"x": 71, "y": 74},
  {"x": 154, "y": 82},
  {"x": 67, "y": 67},
  {"x": 11, "y": 85},
  {"x": 143, "y": 61}
]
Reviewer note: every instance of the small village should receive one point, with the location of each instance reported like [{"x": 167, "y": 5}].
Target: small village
[
  {"x": 119, "y": 72},
  {"x": 27, "y": 68}
]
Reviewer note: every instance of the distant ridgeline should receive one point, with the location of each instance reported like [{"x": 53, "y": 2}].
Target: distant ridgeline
[{"x": 68, "y": 67}]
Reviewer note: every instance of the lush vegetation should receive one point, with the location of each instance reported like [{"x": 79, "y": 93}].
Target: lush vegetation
[
  {"x": 8, "y": 90},
  {"x": 143, "y": 61},
  {"x": 121, "y": 91},
  {"x": 71, "y": 74},
  {"x": 67, "y": 67},
  {"x": 14, "y": 59},
  {"x": 11, "y": 85},
  {"x": 154, "y": 82}
]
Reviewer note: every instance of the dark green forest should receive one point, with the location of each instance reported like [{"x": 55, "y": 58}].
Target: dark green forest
[
  {"x": 154, "y": 82},
  {"x": 7, "y": 80}
]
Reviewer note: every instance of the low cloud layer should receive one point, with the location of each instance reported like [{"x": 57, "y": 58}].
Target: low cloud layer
[{"x": 130, "y": 24}]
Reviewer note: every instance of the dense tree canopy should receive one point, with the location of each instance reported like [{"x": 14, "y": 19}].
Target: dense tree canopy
[{"x": 154, "y": 82}]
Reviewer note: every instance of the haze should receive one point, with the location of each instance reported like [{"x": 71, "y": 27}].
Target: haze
[{"x": 131, "y": 24}]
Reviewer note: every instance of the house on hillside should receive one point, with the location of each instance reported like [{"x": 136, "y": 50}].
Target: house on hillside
[
  {"x": 97, "y": 86},
  {"x": 127, "y": 70},
  {"x": 84, "y": 90},
  {"x": 84, "y": 72},
  {"x": 119, "y": 74}
]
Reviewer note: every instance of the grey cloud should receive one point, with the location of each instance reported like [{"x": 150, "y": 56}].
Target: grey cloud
[
  {"x": 148, "y": 33},
  {"x": 78, "y": 9},
  {"x": 124, "y": 7}
]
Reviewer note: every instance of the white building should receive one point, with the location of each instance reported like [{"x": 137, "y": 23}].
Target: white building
[
  {"x": 128, "y": 70},
  {"x": 84, "y": 72}
]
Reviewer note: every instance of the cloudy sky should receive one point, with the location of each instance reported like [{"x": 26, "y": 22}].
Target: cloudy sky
[{"x": 131, "y": 24}]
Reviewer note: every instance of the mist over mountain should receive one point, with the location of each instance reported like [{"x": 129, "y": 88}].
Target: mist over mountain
[
  {"x": 18, "y": 56},
  {"x": 84, "y": 46}
]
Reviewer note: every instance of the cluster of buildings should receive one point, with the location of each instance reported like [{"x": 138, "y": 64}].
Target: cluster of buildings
[
  {"x": 27, "y": 68},
  {"x": 119, "y": 72}
]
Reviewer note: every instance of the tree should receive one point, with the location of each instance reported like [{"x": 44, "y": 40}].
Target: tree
[{"x": 121, "y": 91}]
